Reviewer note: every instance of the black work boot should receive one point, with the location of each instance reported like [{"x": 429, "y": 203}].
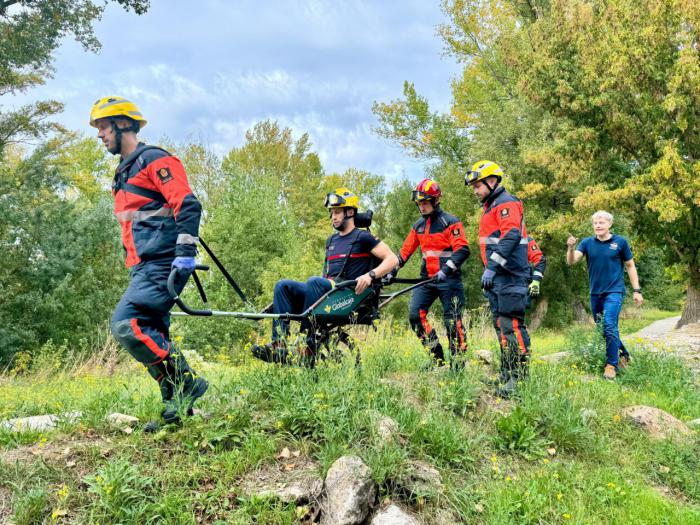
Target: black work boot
[
  {"x": 187, "y": 387},
  {"x": 438, "y": 353},
  {"x": 159, "y": 373},
  {"x": 272, "y": 353},
  {"x": 509, "y": 373},
  {"x": 507, "y": 389},
  {"x": 503, "y": 374}
]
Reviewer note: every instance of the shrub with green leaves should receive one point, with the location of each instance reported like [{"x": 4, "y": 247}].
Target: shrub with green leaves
[{"x": 517, "y": 433}]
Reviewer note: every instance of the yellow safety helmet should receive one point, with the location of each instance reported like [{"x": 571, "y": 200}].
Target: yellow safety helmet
[
  {"x": 342, "y": 198},
  {"x": 481, "y": 170},
  {"x": 116, "y": 107}
]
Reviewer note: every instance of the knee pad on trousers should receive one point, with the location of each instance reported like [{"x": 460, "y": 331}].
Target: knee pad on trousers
[{"x": 123, "y": 332}]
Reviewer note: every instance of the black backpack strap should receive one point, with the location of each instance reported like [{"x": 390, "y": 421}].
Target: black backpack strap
[
  {"x": 121, "y": 181},
  {"x": 347, "y": 257},
  {"x": 325, "y": 259},
  {"x": 143, "y": 192}
]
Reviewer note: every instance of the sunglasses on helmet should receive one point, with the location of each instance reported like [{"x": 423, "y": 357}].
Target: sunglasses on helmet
[
  {"x": 333, "y": 199},
  {"x": 418, "y": 196}
]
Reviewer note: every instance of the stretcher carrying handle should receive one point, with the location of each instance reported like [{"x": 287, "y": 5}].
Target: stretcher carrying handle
[
  {"x": 176, "y": 297},
  {"x": 208, "y": 313}
]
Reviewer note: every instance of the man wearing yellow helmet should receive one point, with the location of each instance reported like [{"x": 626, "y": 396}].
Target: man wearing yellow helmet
[
  {"x": 351, "y": 253},
  {"x": 159, "y": 218},
  {"x": 503, "y": 242}
]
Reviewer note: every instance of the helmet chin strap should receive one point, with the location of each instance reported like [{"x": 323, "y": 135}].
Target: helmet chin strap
[
  {"x": 118, "y": 132},
  {"x": 344, "y": 222},
  {"x": 491, "y": 190}
]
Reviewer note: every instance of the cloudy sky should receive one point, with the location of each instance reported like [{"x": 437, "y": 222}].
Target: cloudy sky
[{"x": 208, "y": 70}]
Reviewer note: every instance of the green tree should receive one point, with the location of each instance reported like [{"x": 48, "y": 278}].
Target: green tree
[
  {"x": 60, "y": 247},
  {"x": 587, "y": 103},
  {"x": 265, "y": 221},
  {"x": 272, "y": 157},
  {"x": 30, "y": 31},
  {"x": 624, "y": 77}
]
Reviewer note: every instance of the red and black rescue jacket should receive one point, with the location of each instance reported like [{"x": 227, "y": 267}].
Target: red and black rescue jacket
[
  {"x": 503, "y": 235},
  {"x": 158, "y": 214},
  {"x": 442, "y": 241},
  {"x": 535, "y": 259}
]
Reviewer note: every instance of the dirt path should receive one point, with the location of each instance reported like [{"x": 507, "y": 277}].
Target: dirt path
[{"x": 685, "y": 342}]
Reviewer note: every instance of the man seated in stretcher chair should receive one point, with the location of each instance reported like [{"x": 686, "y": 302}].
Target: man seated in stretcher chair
[{"x": 350, "y": 252}]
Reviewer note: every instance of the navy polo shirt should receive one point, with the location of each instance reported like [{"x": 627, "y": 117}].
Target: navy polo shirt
[
  {"x": 350, "y": 253},
  {"x": 605, "y": 260}
]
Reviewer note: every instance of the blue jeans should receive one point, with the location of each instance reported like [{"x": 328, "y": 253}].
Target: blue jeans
[
  {"x": 606, "y": 308},
  {"x": 295, "y": 297}
]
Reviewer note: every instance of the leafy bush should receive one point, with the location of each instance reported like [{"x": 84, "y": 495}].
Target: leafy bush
[{"x": 517, "y": 433}]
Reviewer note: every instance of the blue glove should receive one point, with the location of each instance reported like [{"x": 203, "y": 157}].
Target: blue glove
[
  {"x": 487, "y": 279},
  {"x": 440, "y": 276},
  {"x": 184, "y": 264}
]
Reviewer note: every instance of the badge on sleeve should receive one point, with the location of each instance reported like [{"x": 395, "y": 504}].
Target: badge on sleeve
[
  {"x": 505, "y": 212},
  {"x": 164, "y": 175},
  {"x": 455, "y": 232}
]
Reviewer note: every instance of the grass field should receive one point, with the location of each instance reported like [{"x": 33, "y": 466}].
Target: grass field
[{"x": 560, "y": 454}]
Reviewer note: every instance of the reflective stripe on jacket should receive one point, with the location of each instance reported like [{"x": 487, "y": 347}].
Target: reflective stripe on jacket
[
  {"x": 442, "y": 241},
  {"x": 503, "y": 235}
]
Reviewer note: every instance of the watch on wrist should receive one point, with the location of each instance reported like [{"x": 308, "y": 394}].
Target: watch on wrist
[
  {"x": 372, "y": 275},
  {"x": 637, "y": 290}
]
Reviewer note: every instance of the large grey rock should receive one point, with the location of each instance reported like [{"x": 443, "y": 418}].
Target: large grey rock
[
  {"x": 387, "y": 429},
  {"x": 393, "y": 515},
  {"x": 39, "y": 423},
  {"x": 420, "y": 480},
  {"x": 557, "y": 357},
  {"x": 350, "y": 492},
  {"x": 303, "y": 489},
  {"x": 121, "y": 420},
  {"x": 485, "y": 356},
  {"x": 655, "y": 422}
]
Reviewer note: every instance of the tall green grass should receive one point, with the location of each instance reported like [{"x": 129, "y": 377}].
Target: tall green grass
[{"x": 559, "y": 453}]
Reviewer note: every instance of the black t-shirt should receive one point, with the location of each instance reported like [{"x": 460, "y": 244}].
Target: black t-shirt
[{"x": 338, "y": 249}]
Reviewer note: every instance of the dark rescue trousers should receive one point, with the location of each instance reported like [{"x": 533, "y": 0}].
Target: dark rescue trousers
[
  {"x": 508, "y": 301},
  {"x": 141, "y": 322},
  {"x": 451, "y": 294}
]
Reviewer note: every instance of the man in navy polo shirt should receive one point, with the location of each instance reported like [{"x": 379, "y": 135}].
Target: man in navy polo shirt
[
  {"x": 349, "y": 256},
  {"x": 607, "y": 256}
]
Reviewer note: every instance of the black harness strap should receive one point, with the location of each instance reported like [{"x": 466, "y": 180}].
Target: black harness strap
[
  {"x": 143, "y": 192},
  {"x": 121, "y": 177},
  {"x": 347, "y": 256},
  {"x": 224, "y": 271}
]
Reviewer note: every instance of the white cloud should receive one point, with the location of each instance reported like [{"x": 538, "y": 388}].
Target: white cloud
[{"x": 215, "y": 68}]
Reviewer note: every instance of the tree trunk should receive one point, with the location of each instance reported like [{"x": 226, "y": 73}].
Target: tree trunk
[
  {"x": 580, "y": 313},
  {"x": 691, "y": 310},
  {"x": 539, "y": 314}
]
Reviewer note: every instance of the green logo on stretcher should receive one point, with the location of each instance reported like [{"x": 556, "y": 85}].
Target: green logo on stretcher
[{"x": 340, "y": 303}]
